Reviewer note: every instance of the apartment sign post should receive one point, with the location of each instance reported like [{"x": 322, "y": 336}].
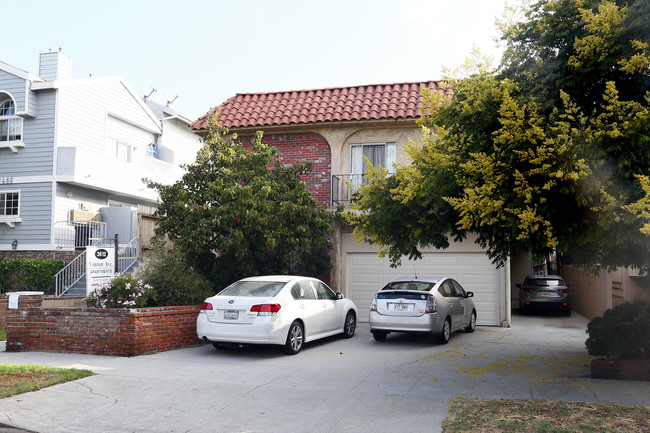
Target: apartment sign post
[{"x": 101, "y": 265}]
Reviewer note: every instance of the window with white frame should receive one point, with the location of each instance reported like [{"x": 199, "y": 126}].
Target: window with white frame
[
  {"x": 379, "y": 154},
  {"x": 9, "y": 204},
  {"x": 119, "y": 150},
  {"x": 11, "y": 126}
]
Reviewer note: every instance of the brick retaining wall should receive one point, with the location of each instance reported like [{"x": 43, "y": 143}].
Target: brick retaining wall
[
  {"x": 621, "y": 369},
  {"x": 116, "y": 332}
]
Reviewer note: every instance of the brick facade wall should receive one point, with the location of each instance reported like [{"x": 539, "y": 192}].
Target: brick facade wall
[
  {"x": 300, "y": 147},
  {"x": 115, "y": 332}
]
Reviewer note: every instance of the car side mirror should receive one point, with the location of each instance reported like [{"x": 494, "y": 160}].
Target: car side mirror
[
  {"x": 469, "y": 294},
  {"x": 339, "y": 295},
  {"x": 518, "y": 286}
]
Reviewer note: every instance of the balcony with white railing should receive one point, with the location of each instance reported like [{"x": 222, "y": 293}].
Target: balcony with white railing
[
  {"x": 77, "y": 234},
  {"x": 345, "y": 187}
]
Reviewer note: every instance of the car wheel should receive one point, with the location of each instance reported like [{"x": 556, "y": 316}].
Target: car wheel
[
  {"x": 567, "y": 311},
  {"x": 379, "y": 335},
  {"x": 472, "y": 323},
  {"x": 350, "y": 324},
  {"x": 443, "y": 338},
  {"x": 295, "y": 338}
]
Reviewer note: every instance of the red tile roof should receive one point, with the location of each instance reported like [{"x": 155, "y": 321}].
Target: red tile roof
[{"x": 371, "y": 102}]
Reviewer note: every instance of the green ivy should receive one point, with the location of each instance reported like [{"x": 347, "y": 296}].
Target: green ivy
[{"x": 28, "y": 274}]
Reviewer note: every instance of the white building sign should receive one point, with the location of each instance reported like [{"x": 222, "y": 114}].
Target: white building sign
[{"x": 100, "y": 266}]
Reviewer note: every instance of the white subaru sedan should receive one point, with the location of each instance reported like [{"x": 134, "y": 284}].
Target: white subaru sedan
[
  {"x": 278, "y": 309},
  {"x": 433, "y": 305}
]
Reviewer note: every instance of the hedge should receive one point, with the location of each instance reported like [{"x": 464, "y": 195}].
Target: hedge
[{"x": 28, "y": 274}]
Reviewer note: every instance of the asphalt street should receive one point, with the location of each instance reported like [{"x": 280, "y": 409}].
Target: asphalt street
[{"x": 335, "y": 385}]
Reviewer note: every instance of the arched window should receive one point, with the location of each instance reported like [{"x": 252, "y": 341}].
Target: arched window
[
  {"x": 7, "y": 108},
  {"x": 11, "y": 126}
]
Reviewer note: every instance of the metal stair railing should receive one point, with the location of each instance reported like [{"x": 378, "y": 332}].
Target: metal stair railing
[
  {"x": 70, "y": 274},
  {"x": 128, "y": 255},
  {"x": 75, "y": 270}
]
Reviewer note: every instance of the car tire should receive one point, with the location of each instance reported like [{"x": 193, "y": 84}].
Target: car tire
[
  {"x": 567, "y": 311},
  {"x": 350, "y": 324},
  {"x": 472, "y": 323},
  {"x": 443, "y": 338},
  {"x": 379, "y": 335},
  {"x": 295, "y": 338}
]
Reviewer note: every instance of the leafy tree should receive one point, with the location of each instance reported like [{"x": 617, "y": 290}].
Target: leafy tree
[
  {"x": 542, "y": 155},
  {"x": 173, "y": 281},
  {"x": 239, "y": 212}
]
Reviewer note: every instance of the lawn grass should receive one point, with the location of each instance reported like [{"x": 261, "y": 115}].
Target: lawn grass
[
  {"x": 17, "y": 379},
  {"x": 3, "y": 334},
  {"x": 543, "y": 416}
]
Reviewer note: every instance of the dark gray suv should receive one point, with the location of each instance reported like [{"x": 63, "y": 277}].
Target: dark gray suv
[{"x": 544, "y": 291}]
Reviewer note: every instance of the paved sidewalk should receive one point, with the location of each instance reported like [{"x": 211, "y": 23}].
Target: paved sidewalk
[{"x": 337, "y": 385}]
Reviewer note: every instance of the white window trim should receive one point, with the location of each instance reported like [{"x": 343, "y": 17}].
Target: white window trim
[
  {"x": 13, "y": 144},
  {"x": 11, "y": 219}
]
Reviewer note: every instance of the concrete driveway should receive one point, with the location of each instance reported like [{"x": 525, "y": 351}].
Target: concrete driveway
[{"x": 356, "y": 385}]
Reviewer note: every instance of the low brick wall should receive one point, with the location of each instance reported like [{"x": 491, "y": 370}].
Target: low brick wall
[
  {"x": 115, "y": 332},
  {"x": 3, "y": 312},
  {"x": 622, "y": 369}
]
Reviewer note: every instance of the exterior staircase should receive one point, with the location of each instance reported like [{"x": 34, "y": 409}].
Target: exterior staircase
[{"x": 71, "y": 280}]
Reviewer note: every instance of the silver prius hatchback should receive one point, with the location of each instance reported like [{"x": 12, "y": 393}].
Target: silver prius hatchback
[{"x": 434, "y": 305}]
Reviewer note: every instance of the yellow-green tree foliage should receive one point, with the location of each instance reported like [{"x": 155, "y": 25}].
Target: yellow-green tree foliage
[{"x": 542, "y": 155}]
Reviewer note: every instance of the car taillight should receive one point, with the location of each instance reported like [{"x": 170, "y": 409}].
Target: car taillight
[
  {"x": 565, "y": 290},
  {"x": 432, "y": 305},
  {"x": 205, "y": 306},
  {"x": 265, "y": 309},
  {"x": 525, "y": 289},
  {"x": 373, "y": 305}
]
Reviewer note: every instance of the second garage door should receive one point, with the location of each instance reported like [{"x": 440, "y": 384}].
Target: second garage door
[{"x": 367, "y": 273}]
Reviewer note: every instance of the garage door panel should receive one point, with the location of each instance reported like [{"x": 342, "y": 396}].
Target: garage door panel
[{"x": 367, "y": 273}]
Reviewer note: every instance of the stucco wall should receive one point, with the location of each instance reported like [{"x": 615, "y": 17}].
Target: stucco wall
[{"x": 592, "y": 294}]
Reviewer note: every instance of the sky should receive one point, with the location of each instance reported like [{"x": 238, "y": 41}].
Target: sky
[{"x": 206, "y": 51}]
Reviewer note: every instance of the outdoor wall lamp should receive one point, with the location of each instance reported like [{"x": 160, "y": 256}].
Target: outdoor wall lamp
[{"x": 14, "y": 244}]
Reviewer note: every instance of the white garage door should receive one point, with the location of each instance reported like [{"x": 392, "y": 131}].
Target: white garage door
[{"x": 367, "y": 273}]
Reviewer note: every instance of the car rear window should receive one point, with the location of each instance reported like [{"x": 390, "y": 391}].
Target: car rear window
[
  {"x": 409, "y": 285},
  {"x": 545, "y": 282},
  {"x": 253, "y": 288}
]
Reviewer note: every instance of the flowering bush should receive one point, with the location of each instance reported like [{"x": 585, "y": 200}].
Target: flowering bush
[{"x": 123, "y": 291}]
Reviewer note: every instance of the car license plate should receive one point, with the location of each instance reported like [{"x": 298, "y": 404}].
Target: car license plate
[
  {"x": 231, "y": 314},
  {"x": 401, "y": 307}
]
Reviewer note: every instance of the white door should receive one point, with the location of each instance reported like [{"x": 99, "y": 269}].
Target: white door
[{"x": 367, "y": 273}]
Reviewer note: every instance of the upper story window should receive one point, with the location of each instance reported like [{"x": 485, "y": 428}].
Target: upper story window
[
  {"x": 379, "y": 154},
  {"x": 119, "y": 150},
  {"x": 11, "y": 126},
  {"x": 8, "y": 203},
  {"x": 10, "y": 207}
]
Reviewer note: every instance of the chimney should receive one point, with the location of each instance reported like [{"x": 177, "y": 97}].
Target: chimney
[{"x": 54, "y": 66}]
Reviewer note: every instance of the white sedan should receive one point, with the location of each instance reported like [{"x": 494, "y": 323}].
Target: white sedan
[{"x": 279, "y": 309}]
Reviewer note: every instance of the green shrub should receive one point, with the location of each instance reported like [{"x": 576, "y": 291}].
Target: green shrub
[
  {"x": 123, "y": 291},
  {"x": 623, "y": 332},
  {"x": 28, "y": 274},
  {"x": 174, "y": 282}
]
